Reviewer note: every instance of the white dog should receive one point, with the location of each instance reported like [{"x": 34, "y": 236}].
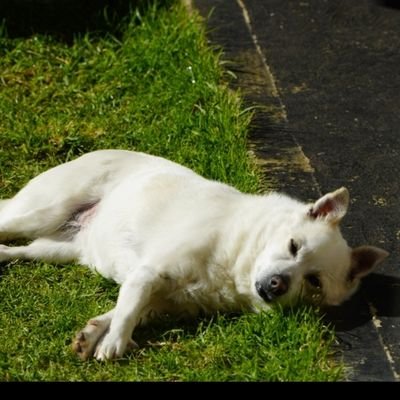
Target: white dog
[{"x": 179, "y": 243}]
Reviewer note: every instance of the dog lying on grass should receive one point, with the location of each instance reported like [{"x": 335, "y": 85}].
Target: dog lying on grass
[{"x": 179, "y": 243}]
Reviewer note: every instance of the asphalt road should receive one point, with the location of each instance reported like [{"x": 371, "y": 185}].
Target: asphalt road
[{"x": 327, "y": 73}]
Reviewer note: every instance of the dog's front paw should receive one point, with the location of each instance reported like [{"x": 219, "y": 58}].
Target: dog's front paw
[
  {"x": 110, "y": 348},
  {"x": 88, "y": 338}
]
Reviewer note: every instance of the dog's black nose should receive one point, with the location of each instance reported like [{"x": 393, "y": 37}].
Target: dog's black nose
[
  {"x": 272, "y": 287},
  {"x": 278, "y": 284}
]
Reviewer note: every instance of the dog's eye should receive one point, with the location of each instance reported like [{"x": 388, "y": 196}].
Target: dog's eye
[
  {"x": 293, "y": 248},
  {"x": 314, "y": 280}
]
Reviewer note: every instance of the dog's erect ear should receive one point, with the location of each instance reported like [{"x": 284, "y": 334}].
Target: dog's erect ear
[
  {"x": 364, "y": 259},
  {"x": 332, "y": 207}
]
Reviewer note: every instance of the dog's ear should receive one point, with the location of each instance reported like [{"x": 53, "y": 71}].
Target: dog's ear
[
  {"x": 364, "y": 259},
  {"x": 332, "y": 207}
]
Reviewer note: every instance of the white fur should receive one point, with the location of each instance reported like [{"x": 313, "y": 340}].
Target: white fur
[{"x": 179, "y": 243}]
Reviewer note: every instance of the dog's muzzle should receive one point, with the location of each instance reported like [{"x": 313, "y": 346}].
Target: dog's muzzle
[{"x": 272, "y": 287}]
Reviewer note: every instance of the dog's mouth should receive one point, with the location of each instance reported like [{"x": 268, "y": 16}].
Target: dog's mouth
[{"x": 264, "y": 294}]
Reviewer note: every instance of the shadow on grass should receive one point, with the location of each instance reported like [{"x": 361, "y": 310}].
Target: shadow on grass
[
  {"x": 64, "y": 19},
  {"x": 172, "y": 328}
]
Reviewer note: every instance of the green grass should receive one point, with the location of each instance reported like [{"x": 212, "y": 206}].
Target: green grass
[{"x": 158, "y": 88}]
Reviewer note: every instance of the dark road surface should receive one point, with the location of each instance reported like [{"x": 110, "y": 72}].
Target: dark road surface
[{"x": 327, "y": 74}]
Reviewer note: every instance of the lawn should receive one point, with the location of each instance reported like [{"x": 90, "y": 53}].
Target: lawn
[{"x": 154, "y": 85}]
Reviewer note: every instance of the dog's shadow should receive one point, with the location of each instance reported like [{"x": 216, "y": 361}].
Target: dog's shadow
[{"x": 379, "y": 295}]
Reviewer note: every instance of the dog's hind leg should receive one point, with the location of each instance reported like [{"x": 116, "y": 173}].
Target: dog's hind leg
[
  {"x": 48, "y": 200},
  {"x": 3, "y": 203},
  {"x": 18, "y": 222},
  {"x": 46, "y": 249}
]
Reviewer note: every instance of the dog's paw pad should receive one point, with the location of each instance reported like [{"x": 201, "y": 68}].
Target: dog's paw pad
[
  {"x": 82, "y": 347},
  {"x": 88, "y": 338}
]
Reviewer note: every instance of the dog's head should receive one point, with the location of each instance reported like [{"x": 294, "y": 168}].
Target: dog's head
[{"x": 309, "y": 260}]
